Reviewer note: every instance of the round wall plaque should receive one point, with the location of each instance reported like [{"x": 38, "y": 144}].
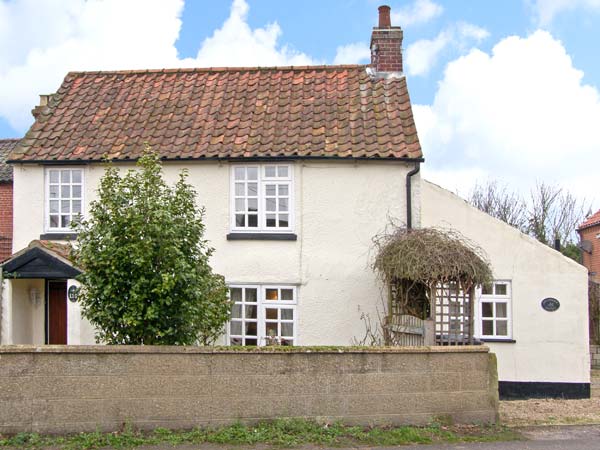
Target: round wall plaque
[
  {"x": 72, "y": 293},
  {"x": 550, "y": 304}
]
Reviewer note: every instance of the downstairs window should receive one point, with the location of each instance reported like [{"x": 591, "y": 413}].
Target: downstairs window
[{"x": 262, "y": 315}]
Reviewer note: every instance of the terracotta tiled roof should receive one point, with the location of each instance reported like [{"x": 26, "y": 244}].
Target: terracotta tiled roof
[
  {"x": 6, "y": 146},
  {"x": 62, "y": 250},
  {"x": 594, "y": 219},
  {"x": 312, "y": 111}
]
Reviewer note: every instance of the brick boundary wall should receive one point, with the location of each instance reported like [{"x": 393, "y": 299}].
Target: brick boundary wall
[
  {"x": 595, "y": 356},
  {"x": 60, "y": 389}
]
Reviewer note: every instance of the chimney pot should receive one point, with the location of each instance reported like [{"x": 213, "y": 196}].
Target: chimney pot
[{"x": 384, "y": 17}]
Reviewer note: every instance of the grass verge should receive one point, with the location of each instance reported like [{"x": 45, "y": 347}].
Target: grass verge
[{"x": 280, "y": 433}]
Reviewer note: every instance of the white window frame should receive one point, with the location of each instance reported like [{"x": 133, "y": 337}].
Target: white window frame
[
  {"x": 262, "y": 181},
  {"x": 262, "y": 305},
  {"x": 47, "y": 227},
  {"x": 495, "y": 298}
]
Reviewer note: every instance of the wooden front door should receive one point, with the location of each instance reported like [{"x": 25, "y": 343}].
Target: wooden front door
[{"x": 57, "y": 312}]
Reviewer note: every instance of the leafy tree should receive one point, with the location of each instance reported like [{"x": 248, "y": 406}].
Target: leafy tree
[
  {"x": 549, "y": 214},
  {"x": 147, "y": 278}
]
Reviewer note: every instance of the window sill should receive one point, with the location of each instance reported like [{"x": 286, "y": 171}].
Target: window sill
[
  {"x": 262, "y": 237},
  {"x": 58, "y": 236},
  {"x": 499, "y": 341}
]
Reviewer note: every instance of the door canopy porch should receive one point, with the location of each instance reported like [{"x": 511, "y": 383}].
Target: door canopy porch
[
  {"x": 41, "y": 259},
  {"x": 431, "y": 274}
]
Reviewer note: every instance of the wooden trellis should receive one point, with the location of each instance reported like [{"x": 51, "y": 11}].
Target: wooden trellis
[{"x": 453, "y": 313}]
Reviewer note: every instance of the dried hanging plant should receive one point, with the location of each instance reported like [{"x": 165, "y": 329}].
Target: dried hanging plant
[{"x": 429, "y": 256}]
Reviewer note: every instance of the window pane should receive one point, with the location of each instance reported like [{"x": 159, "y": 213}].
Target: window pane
[
  {"x": 240, "y": 220},
  {"x": 236, "y": 294},
  {"x": 271, "y": 328},
  {"x": 54, "y": 221},
  {"x": 271, "y": 220},
  {"x": 501, "y": 328},
  {"x": 253, "y": 204},
  {"x": 283, "y": 204},
  {"x": 64, "y": 221},
  {"x": 501, "y": 310},
  {"x": 240, "y": 204},
  {"x": 283, "y": 189},
  {"x": 250, "y": 312},
  {"x": 271, "y": 313},
  {"x": 252, "y": 220},
  {"x": 76, "y": 191},
  {"x": 252, "y": 173},
  {"x": 283, "y": 220},
  {"x": 239, "y": 189},
  {"x": 54, "y": 176},
  {"x": 250, "y": 295},
  {"x": 240, "y": 173},
  {"x": 270, "y": 189},
  {"x": 252, "y": 189},
  {"x": 271, "y": 294},
  {"x": 271, "y": 204},
  {"x": 287, "y": 329},
  {"x": 236, "y": 312},
  {"x": 236, "y": 341},
  {"x": 65, "y": 191},
  {"x": 54, "y": 191},
  {"x": 500, "y": 289},
  {"x": 250, "y": 341},
  {"x": 287, "y": 314},
  {"x": 65, "y": 176},
  {"x": 487, "y": 327},
  {"x": 269, "y": 171},
  {"x": 250, "y": 328},
  {"x": 486, "y": 289},
  {"x": 65, "y": 206},
  {"x": 287, "y": 294},
  {"x": 486, "y": 309},
  {"x": 236, "y": 327},
  {"x": 282, "y": 171},
  {"x": 53, "y": 206},
  {"x": 76, "y": 174},
  {"x": 287, "y": 342}
]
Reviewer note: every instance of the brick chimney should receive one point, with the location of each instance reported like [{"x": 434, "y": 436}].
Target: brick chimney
[{"x": 386, "y": 44}]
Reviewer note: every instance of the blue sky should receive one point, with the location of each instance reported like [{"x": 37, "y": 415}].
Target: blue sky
[{"x": 501, "y": 89}]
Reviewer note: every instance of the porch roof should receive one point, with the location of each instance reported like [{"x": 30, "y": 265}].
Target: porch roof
[{"x": 41, "y": 259}]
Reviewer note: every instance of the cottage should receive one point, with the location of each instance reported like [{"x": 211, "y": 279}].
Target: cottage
[{"x": 298, "y": 168}]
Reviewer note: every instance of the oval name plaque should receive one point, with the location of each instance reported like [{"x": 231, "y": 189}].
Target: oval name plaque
[
  {"x": 550, "y": 304},
  {"x": 72, "y": 294}
]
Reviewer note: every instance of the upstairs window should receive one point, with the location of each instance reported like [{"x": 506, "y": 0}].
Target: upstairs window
[
  {"x": 262, "y": 199},
  {"x": 495, "y": 311},
  {"x": 64, "y": 198}
]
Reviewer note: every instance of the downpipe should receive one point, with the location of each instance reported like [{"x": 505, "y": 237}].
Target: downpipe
[{"x": 409, "y": 176}]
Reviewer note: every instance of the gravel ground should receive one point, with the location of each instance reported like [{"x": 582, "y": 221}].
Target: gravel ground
[{"x": 550, "y": 412}]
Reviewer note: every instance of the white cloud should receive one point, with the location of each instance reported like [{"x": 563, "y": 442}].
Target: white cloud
[
  {"x": 352, "y": 53},
  {"x": 235, "y": 43},
  {"x": 422, "y": 55},
  {"x": 546, "y": 10},
  {"x": 519, "y": 115},
  {"x": 420, "y": 11},
  {"x": 42, "y": 40}
]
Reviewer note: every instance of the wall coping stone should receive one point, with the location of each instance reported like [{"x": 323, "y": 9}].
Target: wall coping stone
[{"x": 171, "y": 349}]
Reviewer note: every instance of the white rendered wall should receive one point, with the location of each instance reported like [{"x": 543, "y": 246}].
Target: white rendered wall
[
  {"x": 550, "y": 346},
  {"x": 27, "y": 319},
  {"x": 79, "y": 330},
  {"x": 339, "y": 207}
]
